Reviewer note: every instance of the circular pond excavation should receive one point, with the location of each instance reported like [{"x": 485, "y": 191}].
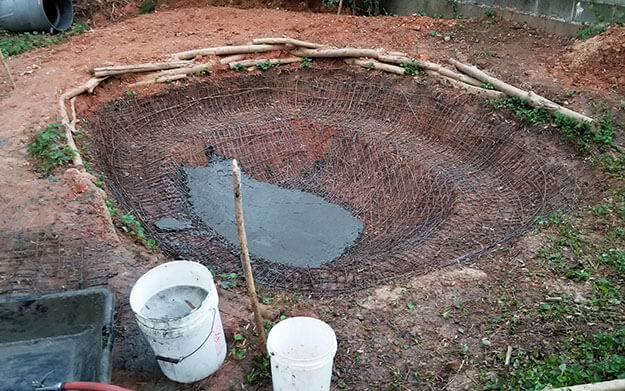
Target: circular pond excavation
[{"x": 348, "y": 182}]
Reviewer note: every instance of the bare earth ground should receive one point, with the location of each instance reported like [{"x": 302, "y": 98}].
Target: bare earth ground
[{"x": 400, "y": 336}]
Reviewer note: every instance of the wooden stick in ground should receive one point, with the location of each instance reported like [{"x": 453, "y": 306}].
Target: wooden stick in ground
[
  {"x": 531, "y": 97},
  {"x": 226, "y": 50},
  {"x": 245, "y": 255},
  {"x": 6, "y": 67},
  {"x": 338, "y": 13},
  {"x": 154, "y": 66},
  {"x": 287, "y": 41},
  {"x": 256, "y": 61},
  {"x": 613, "y": 385}
]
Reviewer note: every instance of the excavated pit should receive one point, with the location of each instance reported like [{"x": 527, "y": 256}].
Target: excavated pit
[{"x": 415, "y": 183}]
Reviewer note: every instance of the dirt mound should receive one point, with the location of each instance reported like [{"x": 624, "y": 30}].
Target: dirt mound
[{"x": 599, "y": 60}]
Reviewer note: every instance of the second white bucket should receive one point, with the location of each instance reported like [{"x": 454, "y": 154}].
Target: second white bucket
[
  {"x": 302, "y": 352},
  {"x": 176, "y": 307}
]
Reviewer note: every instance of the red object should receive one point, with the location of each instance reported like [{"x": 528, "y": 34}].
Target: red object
[{"x": 84, "y": 385}]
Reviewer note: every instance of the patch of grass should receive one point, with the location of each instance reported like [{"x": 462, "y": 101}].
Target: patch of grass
[
  {"x": 48, "y": 147},
  {"x": 266, "y": 65},
  {"x": 614, "y": 257},
  {"x": 583, "y": 359},
  {"x": 129, "y": 225},
  {"x": 12, "y": 44},
  {"x": 261, "y": 371},
  {"x": 147, "y": 7},
  {"x": 580, "y": 132},
  {"x": 411, "y": 69},
  {"x": 238, "y": 350},
  {"x": 204, "y": 72},
  {"x": 229, "y": 280},
  {"x": 490, "y": 13},
  {"x": 589, "y": 31},
  {"x": 306, "y": 63}
]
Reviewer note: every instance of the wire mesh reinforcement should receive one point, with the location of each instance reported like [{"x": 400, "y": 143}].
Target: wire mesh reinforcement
[{"x": 433, "y": 186}]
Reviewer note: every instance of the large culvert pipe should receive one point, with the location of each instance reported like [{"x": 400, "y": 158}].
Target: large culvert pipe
[{"x": 36, "y": 15}]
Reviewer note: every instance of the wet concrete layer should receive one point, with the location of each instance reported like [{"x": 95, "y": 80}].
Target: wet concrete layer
[{"x": 284, "y": 226}]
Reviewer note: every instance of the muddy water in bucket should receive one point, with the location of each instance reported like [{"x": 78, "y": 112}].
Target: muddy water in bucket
[
  {"x": 174, "y": 302},
  {"x": 176, "y": 307}
]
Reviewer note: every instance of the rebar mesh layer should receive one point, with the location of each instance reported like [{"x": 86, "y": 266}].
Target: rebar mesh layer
[{"x": 433, "y": 186}]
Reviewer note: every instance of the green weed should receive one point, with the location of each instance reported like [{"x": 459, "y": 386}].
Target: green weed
[
  {"x": 147, "y": 7},
  {"x": 306, "y": 63},
  {"x": 260, "y": 374},
  {"x": 48, "y": 147},
  {"x": 614, "y": 257},
  {"x": 584, "y": 359},
  {"x": 12, "y": 44},
  {"x": 129, "y": 225},
  {"x": 411, "y": 69},
  {"x": 238, "y": 350},
  {"x": 490, "y": 13}
]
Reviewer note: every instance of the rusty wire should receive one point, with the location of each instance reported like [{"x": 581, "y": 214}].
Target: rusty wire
[{"x": 433, "y": 185}]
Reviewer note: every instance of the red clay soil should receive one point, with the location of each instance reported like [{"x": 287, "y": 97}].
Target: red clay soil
[
  {"x": 370, "y": 323},
  {"x": 600, "y": 60}
]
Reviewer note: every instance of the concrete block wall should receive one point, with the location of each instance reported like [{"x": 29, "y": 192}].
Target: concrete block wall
[{"x": 562, "y": 17}]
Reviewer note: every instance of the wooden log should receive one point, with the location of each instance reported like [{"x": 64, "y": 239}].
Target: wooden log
[
  {"x": 532, "y": 98},
  {"x": 156, "y": 79},
  {"x": 69, "y": 126},
  {"x": 287, "y": 41},
  {"x": 471, "y": 89},
  {"x": 256, "y": 61},
  {"x": 8, "y": 70},
  {"x": 245, "y": 255},
  {"x": 226, "y": 50},
  {"x": 229, "y": 59},
  {"x": 123, "y": 69},
  {"x": 427, "y": 65},
  {"x": 612, "y": 385},
  {"x": 372, "y": 64},
  {"x": 337, "y": 52}
]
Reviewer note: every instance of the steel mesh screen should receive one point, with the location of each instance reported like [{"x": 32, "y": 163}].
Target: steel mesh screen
[{"x": 433, "y": 186}]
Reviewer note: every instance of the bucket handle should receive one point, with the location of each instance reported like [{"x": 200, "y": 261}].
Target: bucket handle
[{"x": 178, "y": 360}]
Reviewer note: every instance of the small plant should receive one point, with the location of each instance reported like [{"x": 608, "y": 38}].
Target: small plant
[
  {"x": 49, "y": 148},
  {"x": 435, "y": 33},
  {"x": 132, "y": 93},
  {"x": 12, "y": 44},
  {"x": 490, "y": 13},
  {"x": 306, "y": 63},
  {"x": 570, "y": 93},
  {"x": 130, "y": 225},
  {"x": 266, "y": 65},
  {"x": 204, "y": 72},
  {"x": 261, "y": 370},
  {"x": 147, "y": 7},
  {"x": 229, "y": 280},
  {"x": 487, "y": 86},
  {"x": 411, "y": 69},
  {"x": 238, "y": 350},
  {"x": 239, "y": 67}
]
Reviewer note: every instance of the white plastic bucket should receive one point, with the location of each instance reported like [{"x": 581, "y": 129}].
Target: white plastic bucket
[
  {"x": 189, "y": 342},
  {"x": 302, "y": 351}
]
